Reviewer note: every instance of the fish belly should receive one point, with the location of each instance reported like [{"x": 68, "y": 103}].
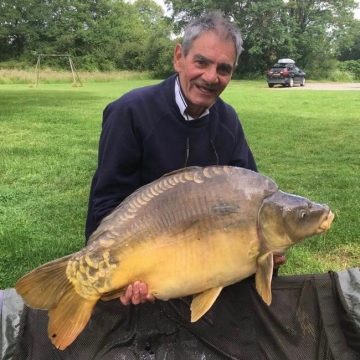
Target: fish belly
[{"x": 190, "y": 264}]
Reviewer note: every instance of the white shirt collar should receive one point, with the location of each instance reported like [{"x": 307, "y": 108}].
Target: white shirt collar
[{"x": 181, "y": 102}]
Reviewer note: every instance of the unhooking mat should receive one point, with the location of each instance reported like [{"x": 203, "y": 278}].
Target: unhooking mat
[{"x": 312, "y": 317}]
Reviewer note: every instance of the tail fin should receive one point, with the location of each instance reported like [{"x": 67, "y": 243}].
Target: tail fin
[
  {"x": 43, "y": 287},
  {"x": 48, "y": 287},
  {"x": 69, "y": 318}
]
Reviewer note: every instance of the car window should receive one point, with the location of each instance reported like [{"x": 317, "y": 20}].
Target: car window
[{"x": 279, "y": 69}]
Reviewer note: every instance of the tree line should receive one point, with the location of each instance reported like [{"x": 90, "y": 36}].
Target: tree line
[{"x": 118, "y": 35}]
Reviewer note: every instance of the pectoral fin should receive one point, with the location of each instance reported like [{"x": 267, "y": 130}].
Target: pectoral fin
[
  {"x": 202, "y": 302},
  {"x": 263, "y": 276}
]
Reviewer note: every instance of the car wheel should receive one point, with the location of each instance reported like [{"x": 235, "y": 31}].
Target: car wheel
[
  {"x": 303, "y": 82},
  {"x": 291, "y": 82},
  {"x": 271, "y": 85}
]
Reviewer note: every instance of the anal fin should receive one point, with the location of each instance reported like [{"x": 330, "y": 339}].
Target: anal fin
[
  {"x": 264, "y": 275},
  {"x": 202, "y": 302}
]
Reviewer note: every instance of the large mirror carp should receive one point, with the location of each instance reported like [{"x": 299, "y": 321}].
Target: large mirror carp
[{"x": 191, "y": 232}]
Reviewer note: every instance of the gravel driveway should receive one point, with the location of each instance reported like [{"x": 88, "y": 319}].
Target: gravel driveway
[{"x": 321, "y": 86}]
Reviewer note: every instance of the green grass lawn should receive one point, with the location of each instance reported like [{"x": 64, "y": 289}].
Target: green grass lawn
[{"x": 307, "y": 141}]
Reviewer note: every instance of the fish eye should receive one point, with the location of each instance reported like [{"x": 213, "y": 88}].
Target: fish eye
[{"x": 303, "y": 214}]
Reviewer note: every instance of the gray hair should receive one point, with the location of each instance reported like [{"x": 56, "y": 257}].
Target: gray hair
[{"x": 212, "y": 22}]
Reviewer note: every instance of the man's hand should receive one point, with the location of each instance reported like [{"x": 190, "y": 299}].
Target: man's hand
[
  {"x": 136, "y": 293},
  {"x": 279, "y": 260}
]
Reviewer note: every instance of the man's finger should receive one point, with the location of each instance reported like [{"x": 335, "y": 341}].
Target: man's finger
[
  {"x": 143, "y": 290},
  {"x": 150, "y": 298},
  {"x": 136, "y": 299},
  {"x": 279, "y": 260},
  {"x": 126, "y": 298}
]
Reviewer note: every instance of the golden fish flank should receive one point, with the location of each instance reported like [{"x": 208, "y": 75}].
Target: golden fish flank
[{"x": 234, "y": 218}]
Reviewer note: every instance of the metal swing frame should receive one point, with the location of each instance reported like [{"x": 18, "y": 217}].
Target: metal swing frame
[{"x": 75, "y": 75}]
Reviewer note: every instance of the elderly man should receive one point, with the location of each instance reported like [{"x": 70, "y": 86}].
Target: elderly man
[{"x": 180, "y": 122}]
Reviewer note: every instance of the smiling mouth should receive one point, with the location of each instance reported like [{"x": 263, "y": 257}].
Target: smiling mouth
[{"x": 205, "y": 89}]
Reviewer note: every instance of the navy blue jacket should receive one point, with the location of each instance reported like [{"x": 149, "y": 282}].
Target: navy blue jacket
[{"x": 144, "y": 136}]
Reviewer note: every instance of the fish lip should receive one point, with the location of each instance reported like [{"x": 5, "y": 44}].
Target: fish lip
[{"x": 325, "y": 225}]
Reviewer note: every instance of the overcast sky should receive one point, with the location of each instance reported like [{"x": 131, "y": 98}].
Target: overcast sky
[{"x": 357, "y": 12}]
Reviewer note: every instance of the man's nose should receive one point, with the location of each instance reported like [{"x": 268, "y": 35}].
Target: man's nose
[{"x": 210, "y": 75}]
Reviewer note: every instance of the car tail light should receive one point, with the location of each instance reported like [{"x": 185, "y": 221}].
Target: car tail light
[
  {"x": 286, "y": 72},
  {"x": 269, "y": 72}
]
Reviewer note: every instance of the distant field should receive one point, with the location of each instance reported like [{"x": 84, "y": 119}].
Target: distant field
[{"x": 307, "y": 141}]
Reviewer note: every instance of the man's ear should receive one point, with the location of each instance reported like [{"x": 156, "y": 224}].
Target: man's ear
[{"x": 178, "y": 54}]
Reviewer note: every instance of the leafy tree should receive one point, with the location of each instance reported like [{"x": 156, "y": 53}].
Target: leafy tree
[
  {"x": 318, "y": 27},
  {"x": 21, "y": 22},
  {"x": 264, "y": 31},
  {"x": 150, "y": 13},
  {"x": 158, "y": 46},
  {"x": 350, "y": 50},
  {"x": 307, "y": 30},
  {"x": 351, "y": 66},
  {"x": 159, "y": 55},
  {"x": 102, "y": 34},
  {"x": 107, "y": 34}
]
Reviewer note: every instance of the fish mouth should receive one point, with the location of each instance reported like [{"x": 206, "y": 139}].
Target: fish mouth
[{"x": 325, "y": 225}]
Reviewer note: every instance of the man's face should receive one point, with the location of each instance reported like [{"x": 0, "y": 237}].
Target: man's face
[{"x": 206, "y": 70}]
